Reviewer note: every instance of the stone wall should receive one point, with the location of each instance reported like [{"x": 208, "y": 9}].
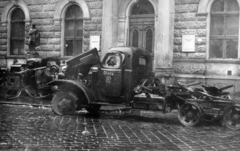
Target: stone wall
[
  {"x": 42, "y": 13},
  {"x": 3, "y": 37},
  {"x": 187, "y": 21}
]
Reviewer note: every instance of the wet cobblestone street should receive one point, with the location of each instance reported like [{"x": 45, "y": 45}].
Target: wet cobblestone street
[{"x": 27, "y": 128}]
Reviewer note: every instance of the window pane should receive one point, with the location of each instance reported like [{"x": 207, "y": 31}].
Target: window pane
[
  {"x": 70, "y": 14},
  {"x": 14, "y": 30},
  {"x": 135, "y": 38},
  {"x": 14, "y": 47},
  {"x": 22, "y": 31},
  {"x": 232, "y": 49},
  {"x": 79, "y": 29},
  {"x": 218, "y": 6},
  {"x": 217, "y": 25},
  {"x": 232, "y": 5},
  {"x": 21, "y": 46},
  {"x": 18, "y": 15},
  {"x": 69, "y": 29},
  {"x": 142, "y": 61},
  {"x": 17, "y": 47},
  {"x": 78, "y": 47},
  {"x": 232, "y": 23},
  {"x": 68, "y": 48},
  {"x": 149, "y": 39},
  {"x": 216, "y": 49},
  {"x": 112, "y": 61},
  {"x": 142, "y": 7},
  {"x": 79, "y": 13}
]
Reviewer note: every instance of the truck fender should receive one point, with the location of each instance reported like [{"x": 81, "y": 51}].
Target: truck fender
[{"x": 78, "y": 87}]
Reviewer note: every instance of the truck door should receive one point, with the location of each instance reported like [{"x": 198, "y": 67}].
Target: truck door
[{"x": 111, "y": 75}]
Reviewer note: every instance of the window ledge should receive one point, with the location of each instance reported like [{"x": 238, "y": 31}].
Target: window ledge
[
  {"x": 230, "y": 61},
  {"x": 201, "y": 14},
  {"x": 18, "y": 57}
]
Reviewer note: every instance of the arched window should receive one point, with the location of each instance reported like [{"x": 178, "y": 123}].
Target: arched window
[
  {"x": 142, "y": 7},
  {"x": 135, "y": 38},
  {"x": 224, "y": 29},
  {"x": 17, "y": 35},
  {"x": 73, "y": 31},
  {"x": 149, "y": 40}
]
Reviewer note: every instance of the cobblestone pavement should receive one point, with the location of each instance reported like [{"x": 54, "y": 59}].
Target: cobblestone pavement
[{"x": 27, "y": 128}]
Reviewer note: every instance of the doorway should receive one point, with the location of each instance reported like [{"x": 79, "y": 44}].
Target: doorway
[{"x": 141, "y": 26}]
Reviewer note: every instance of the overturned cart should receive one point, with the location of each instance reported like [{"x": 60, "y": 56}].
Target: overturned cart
[
  {"x": 194, "y": 104},
  {"x": 211, "y": 103}
]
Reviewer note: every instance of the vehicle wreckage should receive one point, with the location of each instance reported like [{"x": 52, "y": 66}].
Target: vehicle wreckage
[
  {"x": 121, "y": 78},
  {"x": 115, "y": 81},
  {"x": 30, "y": 77}
]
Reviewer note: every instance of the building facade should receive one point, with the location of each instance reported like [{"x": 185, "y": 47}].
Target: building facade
[
  {"x": 190, "y": 40},
  {"x": 215, "y": 27},
  {"x": 65, "y": 27}
]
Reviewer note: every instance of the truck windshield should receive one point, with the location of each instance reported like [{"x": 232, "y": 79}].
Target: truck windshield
[{"x": 113, "y": 60}]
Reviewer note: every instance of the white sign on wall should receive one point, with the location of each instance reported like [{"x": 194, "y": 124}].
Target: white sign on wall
[
  {"x": 95, "y": 42},
  {"x": 188, "y": 43}
]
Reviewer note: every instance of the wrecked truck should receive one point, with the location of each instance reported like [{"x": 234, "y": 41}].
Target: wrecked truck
[
  {"x": 122, "y": 78},
  {"x": 90, "y": 83}
]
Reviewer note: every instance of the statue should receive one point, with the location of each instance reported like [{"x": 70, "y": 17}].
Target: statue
[{"x": 34, "y": 39}]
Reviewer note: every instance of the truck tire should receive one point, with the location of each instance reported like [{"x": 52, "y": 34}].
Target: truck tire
[{"x": 64, "y": 102}]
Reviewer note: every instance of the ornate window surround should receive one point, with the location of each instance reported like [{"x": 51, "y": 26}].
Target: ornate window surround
[
  {"x": 6, "y": 17},
  {"x": 60, "y": 12},
  {"x": 204, "y": 8}
]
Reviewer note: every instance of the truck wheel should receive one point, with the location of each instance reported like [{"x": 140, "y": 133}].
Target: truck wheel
[
  {"x": 64, "y": 102},
  {"x": 231, "y": 117},
  {"x": 93, "y": 108},
  {"x": 189, "y": 114}
]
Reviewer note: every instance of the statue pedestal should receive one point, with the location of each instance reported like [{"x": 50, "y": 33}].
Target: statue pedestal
[{"x": 29, "y": 55}]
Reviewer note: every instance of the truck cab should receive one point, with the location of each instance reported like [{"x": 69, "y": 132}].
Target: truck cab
[{"x": 121, "y": 69}]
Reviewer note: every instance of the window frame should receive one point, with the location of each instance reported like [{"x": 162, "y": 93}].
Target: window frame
[
  {"x": 11, "y": 22},
  {"x": 204, "y": 8},
  {"x": 223, "y": 37},
  {"x": 74, "y": 38},
  {"x": 7, "y": 10}
]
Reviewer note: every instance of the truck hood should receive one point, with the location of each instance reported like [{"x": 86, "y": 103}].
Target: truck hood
[{"x": 83, "y": 62}]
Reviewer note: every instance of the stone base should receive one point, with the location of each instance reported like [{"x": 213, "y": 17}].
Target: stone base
[{"x": 32, "y": 55}]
